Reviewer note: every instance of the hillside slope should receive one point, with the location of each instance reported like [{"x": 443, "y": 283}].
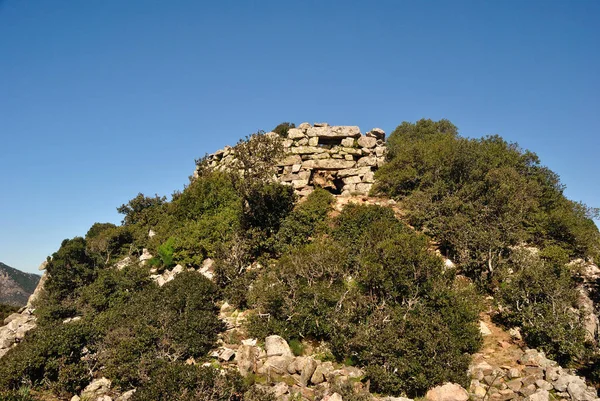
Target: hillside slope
[{"x": 15, "y": 285}]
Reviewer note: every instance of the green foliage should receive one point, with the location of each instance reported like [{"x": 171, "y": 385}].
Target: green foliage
[
  {"x": 378, "y": 296},
  {"x": 296, "y": 346},
  {"x": 53, "y": 356},
  {"x": 22, "y": 394},
  {"x": 179, "y": 382},
  {"x": 307, "y": 220},
  {"x": 480, "y": 197},
  {"x": 108, "y": 240},
  {"x": 69, "y": 269},
  {"x": 136, "y": 210},
  {"x": 283, "y": 128},
  {"x": 6, "y": 310},
  {"x": 541, "y": 298},
  {"x": 165, "y": 253}
]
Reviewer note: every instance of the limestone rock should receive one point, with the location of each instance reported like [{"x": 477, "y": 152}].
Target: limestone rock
[
  {"x": 540, "y": 395},
  {"x": 377, "y": 133},
  {"x": 246, "y": 358},
  {"x": 447, "y": 392},
  {"x": 321, "y": 373},
  {"x": 367, "y": 142},
  {"x": 277, "y": 346},
  {"x": 307, "y": 370}
]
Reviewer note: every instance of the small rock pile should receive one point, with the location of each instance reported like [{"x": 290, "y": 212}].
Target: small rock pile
[
  {"x": 277, "y": 370},
  {"x": 337, "y": 158},
  {"x": 536, "y": 378}
]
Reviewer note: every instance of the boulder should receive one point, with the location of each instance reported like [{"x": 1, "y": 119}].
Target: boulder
[
  {"x": 307, "y": 369},
  {"x": 295, "y": 133},
  {"x": 579, "y": 391},
  {"x": 246, "y": 358},
  {"x": 447, "y": 392},
  {"x": 321, "y": 373},
  {"x": 277, "y": 346},
  {"x": 367, "y": 142},
  {"x": 377, "y": 133},
  {"x": 96, "y": 389},
  {"x": 540, "y": 395}
]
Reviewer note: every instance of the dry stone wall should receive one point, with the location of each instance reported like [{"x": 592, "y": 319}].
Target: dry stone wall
[{"x": 337, "y": 158}]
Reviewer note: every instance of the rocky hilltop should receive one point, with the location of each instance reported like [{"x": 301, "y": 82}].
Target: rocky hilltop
[
  {"x": 16, "y": 286},
  {"x": 315, "y": 263}
]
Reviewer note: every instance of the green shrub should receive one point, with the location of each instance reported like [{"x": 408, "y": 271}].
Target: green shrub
[
  {"x": 307, "y": 220},
  {"x": 283, "y": 128},
  {"x": 376, "y": 293},
  {"x": 479, "y": 198},
  {"x": 165, "y": 253},
  {"x": 22, "y": 394},
  {"x": 179, "y": 382},
  {"x": 541, "y": 298},
  {"x": 52, "y": 355},
  {"x": 6, "y": 310}
]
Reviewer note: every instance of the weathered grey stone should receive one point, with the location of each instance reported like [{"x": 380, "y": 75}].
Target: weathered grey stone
[
  {"x": 246, "y": 358},
  {"x": 514, "y": 385},
  {"x": 533, "y": 357},
  {"x": 544, "y": 385},
  {"x": 447, "y": 392},
  {"x": 295, "y": 133},
  {"x": 277, "y": 346},
  {"x": 540, "y": 395},
  {"x": 484, "y": 329},
  {"x": 329, "y": 164},
  {"x": 307, "y": 370},
  {"x": 376, "y": 133},
  {"x": 126, "y": 396},
  {"x": 290, "y": 160},
  {"x": 562, "y": 383},
  {"x": 307, "y": 150},
  {"x": 367, "y": 142},
  {"x": 579, "y": 391},
  {"x": 553, "y": 373},
  {"x": 348, "y": 142},
  {"x": 513, "y": 373},
  {"x": 369, "y": 161},
  {"x": 353, "y": 171},
  {"x": 321, "y": 373},
  {"x": 528, "y": 390},
  {"x": 226, "y": 354}
]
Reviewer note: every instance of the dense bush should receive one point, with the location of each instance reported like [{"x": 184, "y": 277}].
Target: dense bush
[
  {"x": 376, "y": 293},
  {"x": 541, "y": 297},
  {"x": 305, "y": 221},
  {"x": 6, "y": 310},
  {"x": 480, "y": 197},
  {"x": 180, "y": 382}
]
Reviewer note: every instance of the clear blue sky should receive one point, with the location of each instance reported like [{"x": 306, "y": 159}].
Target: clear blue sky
[{"x": 100, "y": 100}]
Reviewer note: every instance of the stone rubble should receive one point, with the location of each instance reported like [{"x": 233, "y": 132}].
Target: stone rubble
[{"x": 337, "y": 158}]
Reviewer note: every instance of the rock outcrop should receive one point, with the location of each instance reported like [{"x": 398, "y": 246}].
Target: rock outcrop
[{"x": 337, "y": 158}]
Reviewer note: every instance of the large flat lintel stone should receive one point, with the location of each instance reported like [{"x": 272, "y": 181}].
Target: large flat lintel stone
[
  {"x": 334, "y": 132},
  {"x": 329, "y": 164}
]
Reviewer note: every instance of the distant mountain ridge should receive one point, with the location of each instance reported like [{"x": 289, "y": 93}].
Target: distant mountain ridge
[{"x": 16, "y": 286}]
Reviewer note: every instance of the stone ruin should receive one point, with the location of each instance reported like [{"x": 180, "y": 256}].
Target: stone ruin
[{"x": 337, "y": 158}]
